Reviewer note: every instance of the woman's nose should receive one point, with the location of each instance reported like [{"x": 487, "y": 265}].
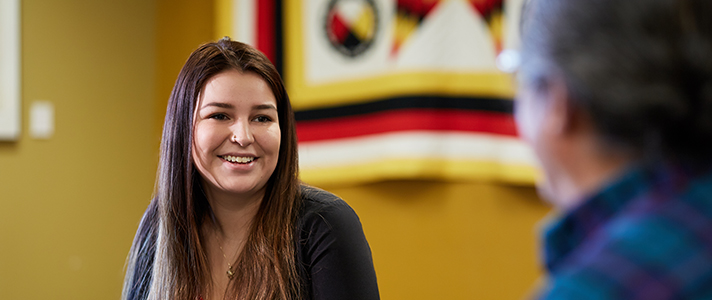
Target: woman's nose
[{"x": 241, "y": 134}]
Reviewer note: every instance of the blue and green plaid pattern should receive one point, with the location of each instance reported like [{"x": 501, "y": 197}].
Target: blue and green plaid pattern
[{"x": 646, "y": 236}]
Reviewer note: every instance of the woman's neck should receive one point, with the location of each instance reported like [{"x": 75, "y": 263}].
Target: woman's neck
[
  {"x": 232, "y": 215},
  {"x": 225, "y": 233}
]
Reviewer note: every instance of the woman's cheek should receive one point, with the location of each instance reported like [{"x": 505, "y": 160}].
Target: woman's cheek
[{"x": 275, "y": 136}]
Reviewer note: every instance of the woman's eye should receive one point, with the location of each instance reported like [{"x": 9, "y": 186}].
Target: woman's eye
[
  {"x": 218, "y": 116},
  {"x": 263, "y": 119}
]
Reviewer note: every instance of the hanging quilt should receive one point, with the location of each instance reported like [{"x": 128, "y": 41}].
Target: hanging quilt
[{"x": 393, "y": 89}]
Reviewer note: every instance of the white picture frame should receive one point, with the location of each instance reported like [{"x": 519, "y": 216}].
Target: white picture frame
[{"x": 10, "y": 100}]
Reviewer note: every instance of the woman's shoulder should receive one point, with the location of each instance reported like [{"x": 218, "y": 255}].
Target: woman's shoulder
[
  {"x": 316, "y": 200},
  {"x": 320, "y": 208},
  {"x": 141, "y": 257},
  {"x": 332, "y": 248}
]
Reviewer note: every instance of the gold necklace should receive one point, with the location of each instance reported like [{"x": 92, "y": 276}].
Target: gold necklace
[{"x": 230, "y": 272}]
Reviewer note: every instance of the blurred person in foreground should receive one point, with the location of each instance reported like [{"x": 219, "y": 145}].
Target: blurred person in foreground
[
  {"x": 230, "y": 219},
  {"x": 615, "y": 98}
]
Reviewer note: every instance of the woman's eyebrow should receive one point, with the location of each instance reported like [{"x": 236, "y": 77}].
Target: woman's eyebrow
[
  {"x": 218, "y": 104},
  {"x": 228, "y": 105},
  {"x": 264, "y": 106}
]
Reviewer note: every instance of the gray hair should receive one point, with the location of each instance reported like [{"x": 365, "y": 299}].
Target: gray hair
[{"x": 642, "y": 69}]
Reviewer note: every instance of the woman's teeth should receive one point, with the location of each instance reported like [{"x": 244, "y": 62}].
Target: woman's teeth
[{"x": 238, "y": 159}]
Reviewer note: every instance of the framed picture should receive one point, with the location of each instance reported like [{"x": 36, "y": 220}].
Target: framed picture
[{"x": 9, "y": 70}]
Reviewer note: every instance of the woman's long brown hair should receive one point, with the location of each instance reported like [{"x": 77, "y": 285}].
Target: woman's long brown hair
[{"x": 167, "y": 258}]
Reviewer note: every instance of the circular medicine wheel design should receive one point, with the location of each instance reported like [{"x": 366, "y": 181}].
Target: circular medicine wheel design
[{"x": 351, "y": 25}]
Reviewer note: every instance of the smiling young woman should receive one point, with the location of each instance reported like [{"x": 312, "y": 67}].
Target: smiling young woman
[{"x": 230, "y": 219}]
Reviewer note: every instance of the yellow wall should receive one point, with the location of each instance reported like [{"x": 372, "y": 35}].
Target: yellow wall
[
  {"x": 449, "y": 240},
  {"x": 181, "y": 26},
  {"x": 68, "y": 205}
]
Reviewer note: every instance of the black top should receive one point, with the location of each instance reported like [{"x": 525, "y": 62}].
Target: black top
[{"x": 332, "y": 252}]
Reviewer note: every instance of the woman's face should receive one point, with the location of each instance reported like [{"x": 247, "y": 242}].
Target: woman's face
[{"x": 236, "y": 135}]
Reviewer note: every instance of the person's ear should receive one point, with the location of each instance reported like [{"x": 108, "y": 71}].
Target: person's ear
[{"x": 563, "y": 114}]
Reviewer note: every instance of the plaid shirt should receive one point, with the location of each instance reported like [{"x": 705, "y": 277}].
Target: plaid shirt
[{"x": 646, "y": 236}]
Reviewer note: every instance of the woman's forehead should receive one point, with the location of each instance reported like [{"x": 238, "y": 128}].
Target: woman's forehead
[{"x": 236, "y": 88}]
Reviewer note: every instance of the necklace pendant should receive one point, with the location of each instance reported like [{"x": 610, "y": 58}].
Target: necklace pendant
[{"x": 230, "y": 273}]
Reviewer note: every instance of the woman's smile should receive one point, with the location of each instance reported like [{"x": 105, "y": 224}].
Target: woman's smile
[
  {"x": 239, "y": 159},
  {"x": 242, "y": 163}
]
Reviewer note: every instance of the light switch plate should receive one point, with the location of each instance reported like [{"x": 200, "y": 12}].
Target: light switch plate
[{"x": 42, "y": 120}]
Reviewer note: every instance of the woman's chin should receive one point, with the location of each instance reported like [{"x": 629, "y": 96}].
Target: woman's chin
[
  {"x": 238, "y": 189},
  {"x": 244, "y": 190}
]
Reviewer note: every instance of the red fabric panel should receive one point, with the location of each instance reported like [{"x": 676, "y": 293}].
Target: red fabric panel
[
  {"x": 265, "y": 28},
  {"x": 485, "y": 7},
  {"x": 407, "y": 120},
  {"x": 419, "y": 8}
]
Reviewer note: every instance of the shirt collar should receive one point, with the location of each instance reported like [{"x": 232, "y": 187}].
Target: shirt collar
[{"x": 563, "y": 235}]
